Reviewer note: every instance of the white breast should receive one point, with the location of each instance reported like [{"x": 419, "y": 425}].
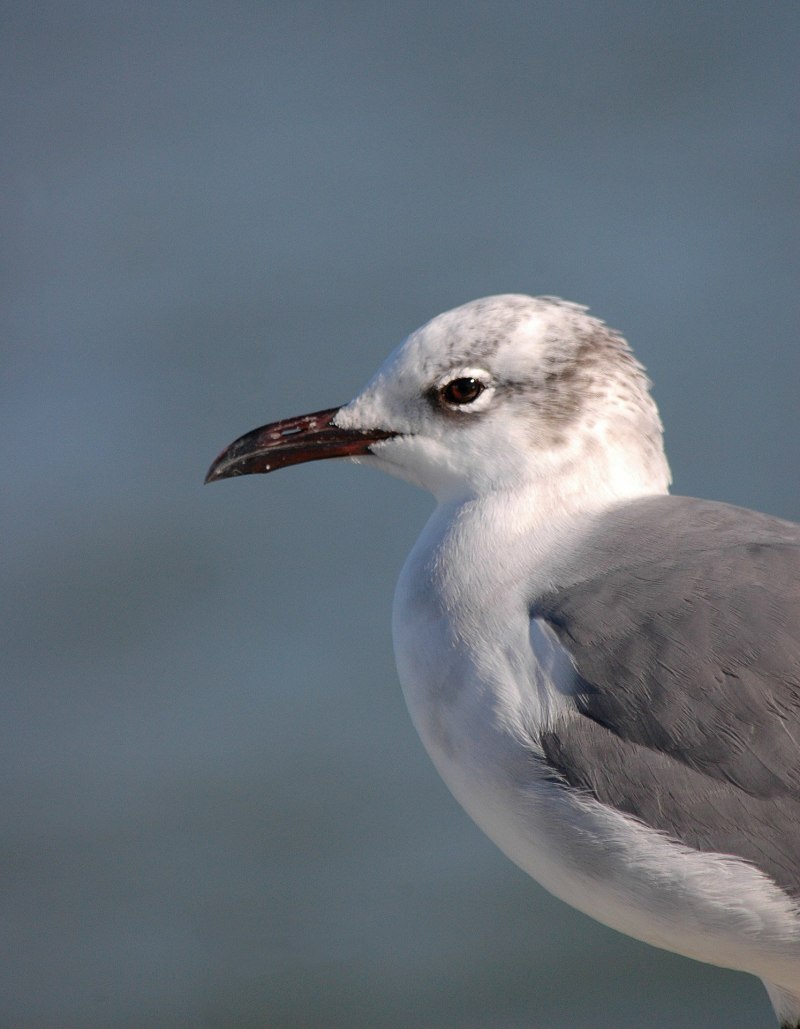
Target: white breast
[{"x": 480, "y": 683}]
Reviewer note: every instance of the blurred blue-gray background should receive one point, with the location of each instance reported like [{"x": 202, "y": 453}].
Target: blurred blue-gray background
[{"x": 216, "y": 812}]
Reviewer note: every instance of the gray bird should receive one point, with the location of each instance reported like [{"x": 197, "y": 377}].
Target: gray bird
[{"x": 607, "y": 677}]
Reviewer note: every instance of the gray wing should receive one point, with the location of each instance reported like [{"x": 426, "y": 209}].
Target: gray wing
[{"x": 686, "y": 645}]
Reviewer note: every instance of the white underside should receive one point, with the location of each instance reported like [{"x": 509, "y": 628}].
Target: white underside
[
  {"x": 710, "y": 907},
  {"x": 477, "y": 691}
]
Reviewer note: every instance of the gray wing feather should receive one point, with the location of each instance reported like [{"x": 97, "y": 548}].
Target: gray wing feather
[{"x": 686, "y": 644}]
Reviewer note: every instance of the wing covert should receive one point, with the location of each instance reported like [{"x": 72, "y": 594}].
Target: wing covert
[{"x": 688, "y": 669}]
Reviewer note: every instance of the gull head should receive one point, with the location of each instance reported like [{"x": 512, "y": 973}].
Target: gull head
[{"x": 509, "y": 392}]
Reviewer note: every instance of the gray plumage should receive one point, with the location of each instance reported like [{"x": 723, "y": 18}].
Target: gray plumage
[{"x": 685, "y": 638}]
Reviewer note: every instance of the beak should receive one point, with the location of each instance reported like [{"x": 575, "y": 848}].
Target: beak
[{"x": 311, "y": 437}]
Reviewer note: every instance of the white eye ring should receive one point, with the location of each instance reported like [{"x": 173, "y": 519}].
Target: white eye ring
[{"x": 464, "y": 390}]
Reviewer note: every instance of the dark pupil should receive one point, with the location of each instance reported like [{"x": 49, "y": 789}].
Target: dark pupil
[{"x": 462, "y": 391}]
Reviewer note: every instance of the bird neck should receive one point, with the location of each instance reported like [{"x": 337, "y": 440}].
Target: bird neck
[{"x": 517, "y": 537}]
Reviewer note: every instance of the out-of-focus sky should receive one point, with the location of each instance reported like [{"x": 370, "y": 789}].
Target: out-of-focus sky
[{"x": 217, "y": 813}]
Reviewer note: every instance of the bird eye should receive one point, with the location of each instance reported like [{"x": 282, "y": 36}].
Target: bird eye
[{"x": 461, "y": 391}]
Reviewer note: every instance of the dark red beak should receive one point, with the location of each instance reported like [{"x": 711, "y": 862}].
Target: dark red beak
[{"x": 311, "y": 437}]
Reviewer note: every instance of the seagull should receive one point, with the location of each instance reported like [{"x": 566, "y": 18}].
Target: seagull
[{"x": 606, "y": 676}]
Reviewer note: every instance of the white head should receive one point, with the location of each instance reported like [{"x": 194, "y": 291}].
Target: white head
[
  {"x": 514, "y": 390},
  {"x": 503, "y": 393}
]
